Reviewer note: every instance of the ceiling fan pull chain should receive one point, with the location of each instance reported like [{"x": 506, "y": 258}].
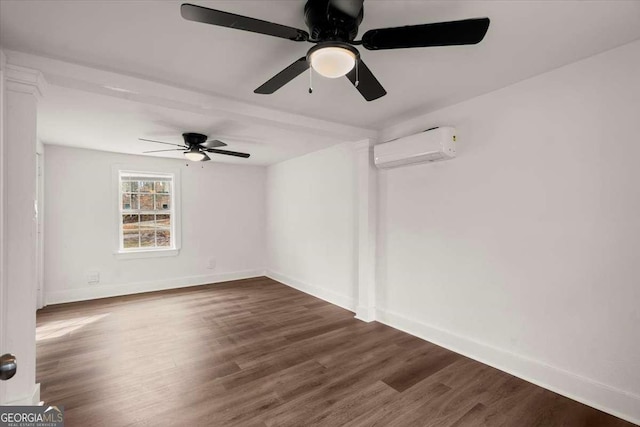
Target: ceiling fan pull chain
[{"x": 310, "y": 80}]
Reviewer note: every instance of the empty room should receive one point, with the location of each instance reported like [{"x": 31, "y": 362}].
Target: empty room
[{"x": 319, "y": 213}]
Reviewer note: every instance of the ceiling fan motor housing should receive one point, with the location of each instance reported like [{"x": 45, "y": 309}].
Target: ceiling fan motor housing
[
  {"x": 191, "y": 139},
  {"x": 326, "y": 22}
]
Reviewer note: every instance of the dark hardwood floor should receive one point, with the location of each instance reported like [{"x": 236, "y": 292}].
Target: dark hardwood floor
[{"x": 255, "y": 352}]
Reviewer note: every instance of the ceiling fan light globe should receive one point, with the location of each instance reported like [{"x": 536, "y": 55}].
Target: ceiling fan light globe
[
  {"x": 333, "y": 62},
  {"x": 194, "y": 156}
]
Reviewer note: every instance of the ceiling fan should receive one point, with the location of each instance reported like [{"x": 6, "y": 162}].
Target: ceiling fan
[
  {"x": 197, "y": 146},
  {"x": 333, "y": 26}
]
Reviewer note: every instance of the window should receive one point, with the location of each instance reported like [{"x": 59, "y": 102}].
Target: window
[{"x": 146, "y": 212}]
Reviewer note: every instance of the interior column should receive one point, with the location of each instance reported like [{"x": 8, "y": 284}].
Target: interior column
[
  {"x": 21, "y": 90},
  {"x": 366, "y": 238}
]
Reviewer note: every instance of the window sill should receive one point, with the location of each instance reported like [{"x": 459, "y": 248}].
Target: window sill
[{"x": 154, "y": 253}]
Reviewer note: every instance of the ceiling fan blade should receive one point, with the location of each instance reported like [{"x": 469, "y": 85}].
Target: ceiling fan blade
[
  {"x": 368, "y": 86},
  {"x": 284, "y": 77},
  {"x": 160, "y": 151},
  {"x": 205, "y": 15},
  {"x": 351, "y": 8},
  {"x": 160, "y": 142},
  {"x": 205, "y": 158},
  {"x": 467, "y": 31},
  {"x": 213, "y": 143},
  {"x": 227, "y": 152}
]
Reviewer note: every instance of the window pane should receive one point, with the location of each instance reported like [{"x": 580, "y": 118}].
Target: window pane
[
  {"x": 146, "y": 202},
  {"x": 146, "y": 187},
  {"x": 131, "y": 240},
  {"x": 147, "y": 231},
  {"x": 134, "y": 186},
  {"x": 134, "y": 201},
  {"x": 126, "y": 186},
  {"x": 162, "y": 186},
  {"x": 147, "y": 222},
  {"x": 130, "y": 231},
  {"x": 147, "y": 239},
  {"x": 163, "y": 202},
  {"x": 126, "y": 201},
  {"x": 130, "y": 222},
  {"x": 164, "y": 238},
  {"x": 163, "y": 230},
  {"x": 163, "y": 222}
]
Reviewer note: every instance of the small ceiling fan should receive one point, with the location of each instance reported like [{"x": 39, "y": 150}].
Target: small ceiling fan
[
  {"x": 333, "y": 26},
  {"x": 197, "y": 146}
]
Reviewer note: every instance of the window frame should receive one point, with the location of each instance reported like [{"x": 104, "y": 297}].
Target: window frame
[{"x": 147, "y": 252}]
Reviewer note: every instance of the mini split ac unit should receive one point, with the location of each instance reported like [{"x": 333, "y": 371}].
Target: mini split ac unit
[{"x": 428, "y": 146}]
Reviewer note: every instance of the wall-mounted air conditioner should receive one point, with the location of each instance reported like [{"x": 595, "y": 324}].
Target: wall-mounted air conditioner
[{"x": 428, "y": 146}]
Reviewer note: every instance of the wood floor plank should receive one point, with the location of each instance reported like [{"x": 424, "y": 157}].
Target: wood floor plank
[
  {"x": 405, "y": 403},
  {"x": 257, "y": 353},
  {"x": 413, "y": 372}
]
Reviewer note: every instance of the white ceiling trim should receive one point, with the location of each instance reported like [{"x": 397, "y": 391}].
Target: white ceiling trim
[{"x": 145, "y": 91}]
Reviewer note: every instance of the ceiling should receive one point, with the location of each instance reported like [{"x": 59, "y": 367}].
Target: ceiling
[
  {"x": 150, "y": 40},
  {"x": 87, "y": 120}
]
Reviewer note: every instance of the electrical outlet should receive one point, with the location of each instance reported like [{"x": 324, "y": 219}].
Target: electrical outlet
[
  {"x": 212, "y": 264},
  {"x": 93, "y": 277}
]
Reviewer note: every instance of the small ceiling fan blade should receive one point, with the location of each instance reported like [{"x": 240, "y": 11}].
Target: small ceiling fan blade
[
  {"x": 368, "y": 86},
  {"x": 213, "y": 143},
  {"x": 227, "y": 152},
  {"x": 160, "y": 142},
  {"x": 160, "y": 151},
  {"x": 283, "y": 77},
  {"x": 205, "y": 15},
  {"x": 205, "y": 158},
  {"x": 467, "y": 31},
  {"x": 351, "y": 8}
]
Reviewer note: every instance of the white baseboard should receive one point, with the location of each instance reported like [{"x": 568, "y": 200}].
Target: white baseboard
[
  {"x": 608, "y": 399},
  {"x": 335, "y": 298},
  {"x": 106, "y": 290},
  {"x": 33, "y": 399}
]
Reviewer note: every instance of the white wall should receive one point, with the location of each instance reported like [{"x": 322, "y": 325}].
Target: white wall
[
  {"x": 524, "y": 251},
  {"x": 311, "y": 224},
  {"x": 223, "y": 217}
]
